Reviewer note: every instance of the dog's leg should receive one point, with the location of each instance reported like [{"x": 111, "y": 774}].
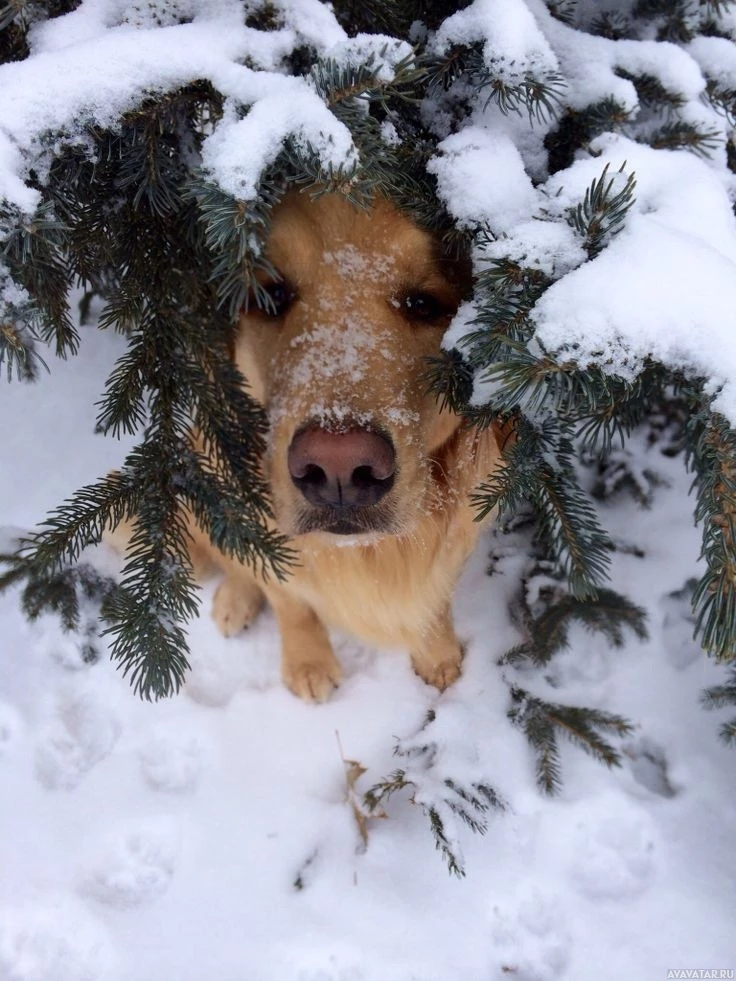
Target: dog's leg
[
  {"x": 308, "y": 664},
  {"x": 438, "y": 655},
  {"x": 236, "y": 604}
]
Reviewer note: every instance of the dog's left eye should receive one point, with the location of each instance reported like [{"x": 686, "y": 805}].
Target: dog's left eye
[
  {"x": 277, "y": 300},
  {"x": 423, "y": 306}
]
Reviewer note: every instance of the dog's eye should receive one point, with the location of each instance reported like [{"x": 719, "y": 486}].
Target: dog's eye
[
  {"x": 423, "y": 306},
  {"x": 275, "y": 298}
]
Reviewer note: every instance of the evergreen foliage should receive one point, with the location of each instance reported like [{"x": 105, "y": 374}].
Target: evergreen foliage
[
  {"x": 129, "y": 210},
  {"x": 723, "y": 696},
  {"x": 443, "y": 800},
  {"x": 544, "y": 722},
  {"x": 609, "y": 613},
  {"x": 545, "y": 613}
]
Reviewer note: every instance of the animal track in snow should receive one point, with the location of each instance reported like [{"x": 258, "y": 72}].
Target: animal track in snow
[
  {"x": 172, "y": 762},
  {"x": 82, "y": 733},
  {"x": 55, "y": 940},
  {"x": 68, "y": 649},
  {"x": 613, "y": 852},
  {"x": 678, "y": 627},
  {"x": 530, "y": 942},
  {"x": 649, "y": 766},
  {"x": 11, "y": 727},
  {"x": 133, "y": 866}
]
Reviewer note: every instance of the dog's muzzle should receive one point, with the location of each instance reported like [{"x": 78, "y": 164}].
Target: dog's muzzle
[{"x": 342, "y": 475}]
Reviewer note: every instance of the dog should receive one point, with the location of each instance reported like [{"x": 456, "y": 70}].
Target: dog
[{"x": 369, "y": 477}]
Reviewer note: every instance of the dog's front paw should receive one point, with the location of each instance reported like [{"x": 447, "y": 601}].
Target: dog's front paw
[
  {"x": 236, "y": 604},
  {"x": 441, "y": 675},
  {"x": 439, "y": 668},
  {"x": 313, "y": 681}
]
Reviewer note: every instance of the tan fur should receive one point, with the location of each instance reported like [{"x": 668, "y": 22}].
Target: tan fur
[{"x": 346, "y": 350}]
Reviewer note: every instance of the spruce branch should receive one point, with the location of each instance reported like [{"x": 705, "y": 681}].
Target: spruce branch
[
  {"x": 720, "y": 696},
  {"x": 450, "y": 378},
  {"x": 652, "y": 93},
  {"x": 723, "y": 696},
  {"x": 577, "y": 128},
  {"x": 603, "y": 211},
  {"x": 235, "y": 233},
  {"x": 157, "y": 592},
  {"x": 217, "y": 504},
  {"x": 347, "y": 88},
  {"x": 544, "y": 722},
  {"x": 608, "y": 613},
  {"x": 33, "y": 251},
  {"x": 538, "y": 466},
  {"x": 388, "y": 17},
  {"x": 18, "y": 352},
  {"x": 440, "y": 805},
  {"x": 723, "y": 99},
  {"x": 442, "y": 799},
  {"x": 680, "y": 20},
  {"x": 77, "y": 595},
  {"x": 540, "y": 97},
  {"x": 612, "y": 24},
  {"x": 563, "y": 10},
  {"x": 444, "y": 70},
  {"x": 145, "y": 251},
  {"x": 681, "y": 135},
  {"x": 77, "y": 523},
  {"x": 712, "y": 457},
  {"x": 728, "y": 732},
  {"x": 466, "y": 67}
]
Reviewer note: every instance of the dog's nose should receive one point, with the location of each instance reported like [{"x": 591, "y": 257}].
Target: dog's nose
[{"x": 349, "y": 469}]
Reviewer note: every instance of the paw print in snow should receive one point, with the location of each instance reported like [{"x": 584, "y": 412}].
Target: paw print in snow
[
  {"x": 82, "y": 734},
  {"x": 133, "y": 867},
  {"x": 614, "y": 852},
  {"x": 11, "y": 727},
  {"x": 530, "y": 942},
  {"x": 171, "y": 762},
  {"x": 53, "y": 941}
]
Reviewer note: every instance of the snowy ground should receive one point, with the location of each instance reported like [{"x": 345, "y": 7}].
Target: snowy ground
[{"x": 209, "y": 837}]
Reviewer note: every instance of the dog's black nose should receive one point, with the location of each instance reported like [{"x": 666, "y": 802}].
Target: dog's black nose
[{"x": 348, "y": 469}]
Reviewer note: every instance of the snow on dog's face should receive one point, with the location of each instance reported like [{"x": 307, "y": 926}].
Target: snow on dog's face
[{"x": 361, "y": 301}]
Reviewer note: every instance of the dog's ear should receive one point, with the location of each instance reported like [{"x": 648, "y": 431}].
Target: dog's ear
[
  {"x": 232, "y": 337},
  {"x": 504, "y": 429},
  {"x": 457, "y": 268}
]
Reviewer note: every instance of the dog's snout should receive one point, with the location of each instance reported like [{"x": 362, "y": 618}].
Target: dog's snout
[{"x": 348, "y": 469}]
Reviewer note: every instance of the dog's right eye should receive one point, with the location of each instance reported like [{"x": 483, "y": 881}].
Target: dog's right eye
[
  {"x": 275, "y": 298},
  {"x": 424, "y": 307}
]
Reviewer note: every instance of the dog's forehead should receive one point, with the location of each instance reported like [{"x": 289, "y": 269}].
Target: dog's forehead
[{"x": 379, "y": 244}]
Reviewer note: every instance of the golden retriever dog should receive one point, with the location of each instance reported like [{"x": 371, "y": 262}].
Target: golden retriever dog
[{"x": 368, "y": 476}]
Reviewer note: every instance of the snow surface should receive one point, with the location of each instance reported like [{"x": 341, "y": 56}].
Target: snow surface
[{"x": 144, "y": 841}]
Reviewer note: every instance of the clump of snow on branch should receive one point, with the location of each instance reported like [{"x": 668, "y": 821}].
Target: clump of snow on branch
[
  {"x": 513, "y": 45},
  {"x": 662, "y": 289},
  {"x": 482, "y": 174},
  {"x": 674, "y": 270},
  {"x": 133, "y": 52}
]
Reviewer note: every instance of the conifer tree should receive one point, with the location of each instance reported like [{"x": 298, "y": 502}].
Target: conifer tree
[{"x": 138, "y": 197}]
